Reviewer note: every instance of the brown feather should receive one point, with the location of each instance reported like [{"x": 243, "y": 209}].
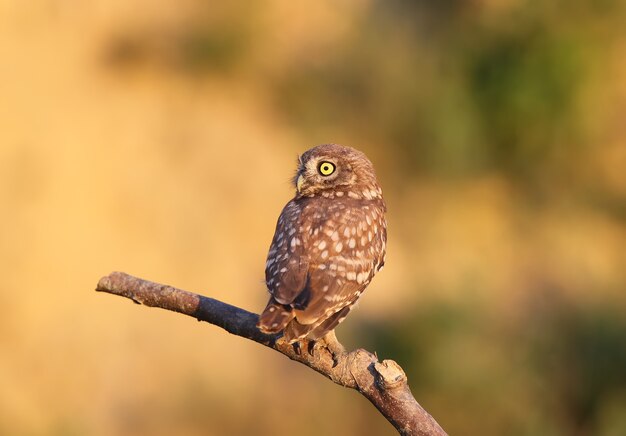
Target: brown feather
[
  {"x": 275, "y": 317},
  {"x": 329, "y": 243}
]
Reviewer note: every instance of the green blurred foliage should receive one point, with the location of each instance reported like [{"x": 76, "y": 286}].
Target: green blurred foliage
[
  {"x": 455, "y": 93},
  {"x": 556, "y": 369}
]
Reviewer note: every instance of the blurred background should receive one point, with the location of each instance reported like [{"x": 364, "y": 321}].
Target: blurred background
[{"x": 159, "y": 137}]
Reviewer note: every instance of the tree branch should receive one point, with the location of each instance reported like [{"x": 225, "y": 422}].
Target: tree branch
[{"x": 383, "y": 383}]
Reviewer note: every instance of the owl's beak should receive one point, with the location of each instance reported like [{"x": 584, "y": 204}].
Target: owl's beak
[{"x": 299, "y": 183}]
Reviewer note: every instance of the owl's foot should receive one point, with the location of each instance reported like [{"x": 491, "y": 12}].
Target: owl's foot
[
  {"x": 297, "y": 348},
  {"x": 330, "y": 344}
]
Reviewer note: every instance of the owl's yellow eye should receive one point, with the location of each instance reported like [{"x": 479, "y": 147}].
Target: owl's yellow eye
[{"x": 326, "y": 168}]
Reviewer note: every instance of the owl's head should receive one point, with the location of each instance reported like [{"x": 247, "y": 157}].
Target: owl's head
[{"x": 331, "y": 169}]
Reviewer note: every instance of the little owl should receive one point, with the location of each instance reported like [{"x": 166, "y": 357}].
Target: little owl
[{"x": 328, "y": 244}]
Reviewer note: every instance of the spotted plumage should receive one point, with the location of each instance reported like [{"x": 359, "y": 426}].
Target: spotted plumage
[{"x": 328, "y": 245}]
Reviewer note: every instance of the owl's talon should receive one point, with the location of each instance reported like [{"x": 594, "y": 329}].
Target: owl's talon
[
  {"x": 335, "y": 353},
  {"x": 328, "y": 343},
  {"x": 296, "y": 348},
  {"x": 334, "y": 347},
  {"x": 311, "y": 347}
]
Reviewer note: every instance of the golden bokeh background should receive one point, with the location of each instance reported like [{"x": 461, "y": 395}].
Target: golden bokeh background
[{"x": 158, "y": 138}]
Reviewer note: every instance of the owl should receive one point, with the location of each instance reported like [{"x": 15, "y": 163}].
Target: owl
[{"x": 328, "y": 244}]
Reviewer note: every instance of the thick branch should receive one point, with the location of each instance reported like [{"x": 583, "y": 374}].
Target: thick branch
[{"x": 383, "y": 383}]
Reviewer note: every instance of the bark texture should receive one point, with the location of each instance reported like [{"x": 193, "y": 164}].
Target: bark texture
[{"x": 383, "y": 383}]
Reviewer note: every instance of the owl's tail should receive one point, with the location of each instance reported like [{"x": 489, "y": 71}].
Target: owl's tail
[
  {"x": 275, "y": 317},
  {"x": 295, "y": 331}
]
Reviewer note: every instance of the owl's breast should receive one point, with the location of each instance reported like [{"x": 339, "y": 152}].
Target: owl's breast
[{"x": 347, "y": 241}]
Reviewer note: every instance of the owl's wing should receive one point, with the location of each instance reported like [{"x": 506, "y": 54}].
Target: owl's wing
[
  {"x": 327, "y": 295},
  {"x": 286, "y": 270},
  {"x": 322, "y": 258},
  {"x": 295, "y": 330},
  {"x": 342, "y": 261}
]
